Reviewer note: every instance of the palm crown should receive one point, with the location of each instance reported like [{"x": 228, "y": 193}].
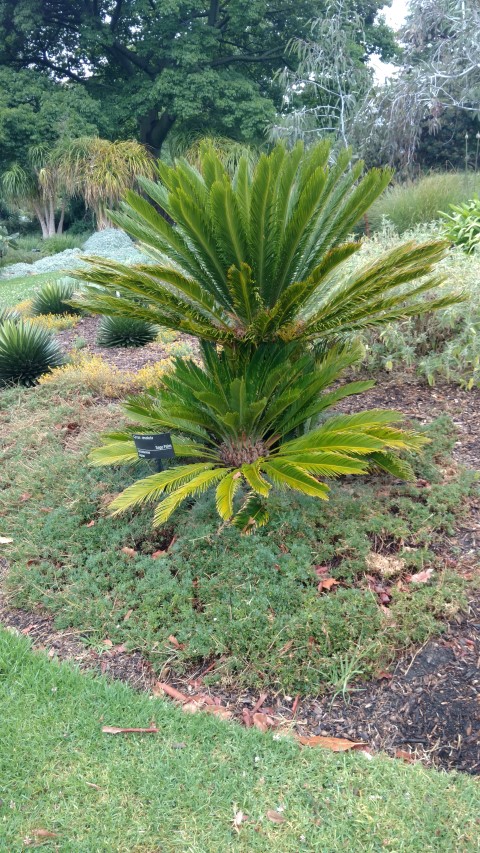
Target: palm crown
[{"x": 259, "y": 257}]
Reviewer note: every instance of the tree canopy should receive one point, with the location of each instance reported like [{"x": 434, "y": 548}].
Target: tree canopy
[{"x": 190, "y": 64}]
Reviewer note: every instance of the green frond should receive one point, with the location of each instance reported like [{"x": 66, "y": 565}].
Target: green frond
[
  {"x": 225, "y": 494},
  {"x": 253, "y": 513},
  {"x": 191, "y": 489},
  {"x": 254, "y": 478},
  {"x": 151, "y": 488},
  {"x": 286, "y": 474}
]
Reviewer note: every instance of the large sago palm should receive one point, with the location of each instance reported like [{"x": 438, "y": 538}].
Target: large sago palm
[
  {"x": 263, "y": 256},
  {"x": 240, "y": 429},
  {"x": 257, "y": 267}
]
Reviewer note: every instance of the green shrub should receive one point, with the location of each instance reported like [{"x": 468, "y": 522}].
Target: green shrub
[
  {"x": 462, "y": 226},
  {"x": 420, "y": 202},
  {"x": 53, "y": 298},
  {"x": 26, "y": 352},
  {"x": 125, "y": 332}
]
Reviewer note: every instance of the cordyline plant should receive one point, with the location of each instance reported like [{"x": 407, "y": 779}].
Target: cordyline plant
[{"x": 255, "y": 267}]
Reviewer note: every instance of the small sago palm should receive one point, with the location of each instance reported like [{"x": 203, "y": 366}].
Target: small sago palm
[
  {"x": 261, "y": 256},
  {"x": 237, "y": 429}
]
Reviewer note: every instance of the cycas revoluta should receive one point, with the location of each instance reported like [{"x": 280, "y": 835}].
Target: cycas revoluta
[
  {"x": 260, "y": 256},
  {"x": 240, "y": 426}
]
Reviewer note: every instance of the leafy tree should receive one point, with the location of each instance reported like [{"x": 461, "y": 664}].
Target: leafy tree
[
  {"x": 101, "y": 171},
  {"x": 439, "y": 80},
  {"x": 38, "y": 186},
  {"x": 253, "y": 267},
  {"x": 331, "y": 76},
  {"x": 185, "y": 65}
]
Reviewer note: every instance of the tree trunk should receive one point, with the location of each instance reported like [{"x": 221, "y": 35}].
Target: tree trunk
[
  {"x": 50, "y": 216},
  {"x": 43, "y": 223},
  {"x": 154, "y": 130},
  {"x": 61, "y": 220}
]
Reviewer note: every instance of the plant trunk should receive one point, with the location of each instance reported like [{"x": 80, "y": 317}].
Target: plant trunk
[
  {"x": 154, "y": 130},
  {"x": 61, "y": 220},
  {"x": 41, "y": 218}
]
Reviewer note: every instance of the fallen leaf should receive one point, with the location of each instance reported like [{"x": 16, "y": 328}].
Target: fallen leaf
[
  {"x": 421, "y": 577},
  {"x": 160, "y": 688},
  {"x": 90, "y": 524},
  {"x": 192, "y": 707},
  {"x": 321, "y": 570},
  {"x": 327, "y": 584},
  {"x": 25, "y": 497},
  {"x": 405, "y": 756},
  {"x": 5, "y": 540},
  {"x": 127, "y": 615},
  {"x": 130, "y": 552},
  {"x": 117, "y": 730},
  {"x": 219, "y": 711},
  {"x": 174, "y": 642},
  {"x": 275, "y": 817},
  {"x": 260, "y": 701},
  {"x": 262, "y": 722},
  {"x": 336, "y": 744},
  {"x": 384, "y": 675},
  {"x": 247, "y": 718},
  {"x": 108, "y": 644},
  {"x": 157, "y": 554},
  {"x": 92, "y": 785},
  {"x": 43, "y": 833},
  {"x": 238, "y": 818}
]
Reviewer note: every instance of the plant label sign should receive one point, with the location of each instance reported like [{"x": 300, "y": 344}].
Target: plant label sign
[{"x": 158, "y": 446}]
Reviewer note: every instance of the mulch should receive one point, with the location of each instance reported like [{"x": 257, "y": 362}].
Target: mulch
[
  {"x": 426, "y": 708},
  {"x": 124, "y": 358}
]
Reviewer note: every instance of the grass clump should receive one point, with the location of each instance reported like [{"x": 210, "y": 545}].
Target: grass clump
[
  {"x": 420, "y": 202},
  {"x": 97, "y": 792},
  {"x": 250, "y": 603}
]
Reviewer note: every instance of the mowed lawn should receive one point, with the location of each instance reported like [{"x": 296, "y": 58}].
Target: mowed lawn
[{"x": 66, "y": 786}]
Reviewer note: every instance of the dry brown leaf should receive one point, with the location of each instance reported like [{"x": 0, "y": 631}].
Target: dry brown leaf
[
  {"x": 238, "y": 818},
  {"x": 219, "y": 711},
  {"x": 117, "y": 730},
  {"x": 44, "y": 833},
  {"x": 108, "y": 644},
  {"x": 405, "y": 756},
  {"x": 90, "y": 523},
  {"x": 260, "y": 701},
  {"x": 127, "y": 615},
  {"x": 93, "y": 785},
  {"x": 421, "y": 577},
  {"x": 174, "y": 642},
  {"x": 25, "y": 497},
  {"x": 275, "y": 817},
  {"x": 263, "y": 722},
  {"x": 160, "y": 687},
  {"x": 5, "y": 540},
  {"x": 130, "y": 552},
  {"x": 192, "y": 707},
  {"x": 157, "y": 554},
  {"x": 327, "y": 584},
  {"x": 336, "y": 744}
]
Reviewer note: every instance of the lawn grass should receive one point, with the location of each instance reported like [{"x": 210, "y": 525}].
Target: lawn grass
[
  {"x": 13, "y": 290},
  {"x": 178, "y": 790},
  {"x": 251, "y": 602}
]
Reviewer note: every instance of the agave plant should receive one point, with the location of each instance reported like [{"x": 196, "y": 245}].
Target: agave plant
[
  {"x": 262, "y": 256},
  {"x": 26, "y": 352},
  {"x": 125, "y": 332},
  {"x": 8, "y": 314},
  {"x": 53, "y": 298},
  {"x": 238, "y": 427}
]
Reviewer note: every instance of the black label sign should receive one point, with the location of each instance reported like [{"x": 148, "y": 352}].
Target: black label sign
[{"x": 154, "y": 446}]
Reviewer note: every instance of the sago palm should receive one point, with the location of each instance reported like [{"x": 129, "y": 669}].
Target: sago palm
[
  {"x": 261, "y": 257},
  {"x": 236, "y": 429}
]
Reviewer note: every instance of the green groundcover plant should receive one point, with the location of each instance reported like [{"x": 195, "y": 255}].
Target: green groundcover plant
[
  {"x": 462, "y": 225},
  {"x": 254, "y": 266}
]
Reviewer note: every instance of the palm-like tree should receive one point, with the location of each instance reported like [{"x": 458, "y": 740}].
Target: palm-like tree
[
  {"x": 263, "y": 256},
  {"x": 239, "y": 425},
  {"x": 101, "y": 171},
  {"x": 38, "y": 185}
]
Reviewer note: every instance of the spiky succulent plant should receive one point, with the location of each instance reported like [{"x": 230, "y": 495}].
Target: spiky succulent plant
[
  {"x": 53, "y": 298},
  {"x": 26, "y": 352},
  {"x": 125, "y": 332}
]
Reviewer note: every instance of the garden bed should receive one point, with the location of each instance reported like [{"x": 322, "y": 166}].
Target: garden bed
[{"x": 89, "y": 588}]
